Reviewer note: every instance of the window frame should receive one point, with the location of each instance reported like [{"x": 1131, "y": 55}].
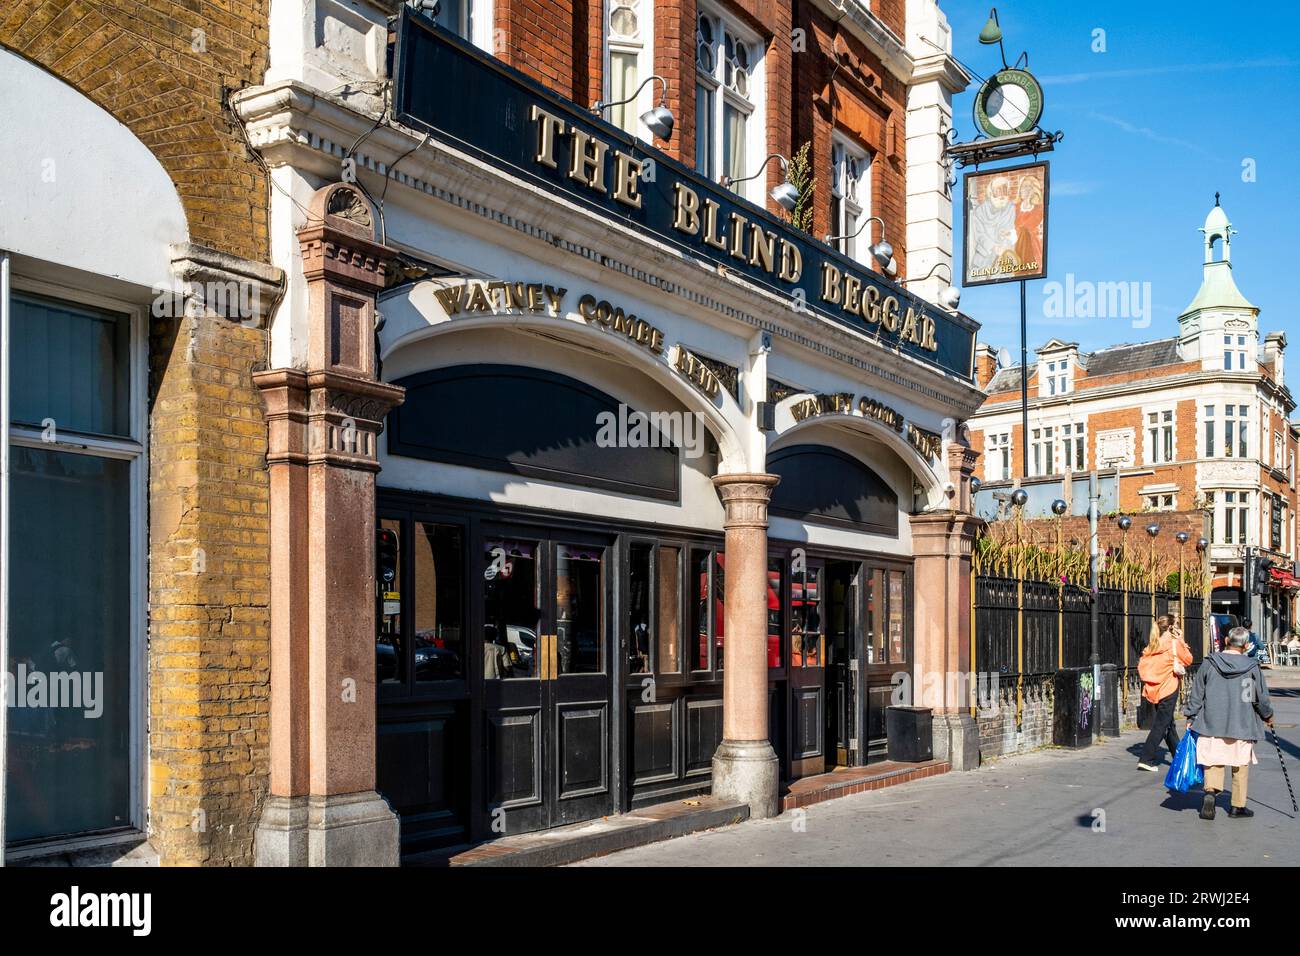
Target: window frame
[
  {"x": 998, "y": 442},
  {"x": 843, "y": 205},
  {"x": 1165, "y": 432},
  {"x": 133, "y": 450},
  {"x": 642, "y": 47},
  {"x": 723, "y": 23}
]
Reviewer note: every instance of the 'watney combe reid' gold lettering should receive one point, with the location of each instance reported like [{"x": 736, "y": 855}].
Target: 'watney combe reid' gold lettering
[{"x": 734, "y": 234}]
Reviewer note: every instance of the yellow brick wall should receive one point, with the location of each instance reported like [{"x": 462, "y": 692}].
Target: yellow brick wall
[{"x": 163, "y": 69}]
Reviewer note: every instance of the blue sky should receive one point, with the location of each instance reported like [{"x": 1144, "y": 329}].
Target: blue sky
[{"x": 1154, "y": 126}]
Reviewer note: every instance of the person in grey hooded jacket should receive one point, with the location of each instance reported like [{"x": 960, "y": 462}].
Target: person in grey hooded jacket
[{"x": 1227, "y": 706}]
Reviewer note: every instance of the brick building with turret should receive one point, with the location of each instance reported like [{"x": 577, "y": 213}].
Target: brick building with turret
[{"x": 1196, "y": 422}]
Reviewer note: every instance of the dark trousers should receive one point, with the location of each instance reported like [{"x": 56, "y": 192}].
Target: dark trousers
[{"x": 1162, "y": 725}]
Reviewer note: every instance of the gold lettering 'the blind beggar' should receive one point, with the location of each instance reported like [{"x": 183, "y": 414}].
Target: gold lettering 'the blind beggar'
[{"x": 732, "y": 234}]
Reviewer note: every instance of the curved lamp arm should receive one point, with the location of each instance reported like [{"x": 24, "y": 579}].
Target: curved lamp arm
[
  {"x": 937, "y": 265},
  {"x": 598, "y": 106},
  {"x": 870, "y": 219},
  {"x": 727, "y": 181}
]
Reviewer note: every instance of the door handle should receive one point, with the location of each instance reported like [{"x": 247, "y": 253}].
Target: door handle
[{"x": 547, "y": 658}]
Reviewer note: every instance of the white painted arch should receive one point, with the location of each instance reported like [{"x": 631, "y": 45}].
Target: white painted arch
[
  {"x": 80, "y": 189},
  {"x": 414, "y": 320},
  {"x": 931, "y": 482}
]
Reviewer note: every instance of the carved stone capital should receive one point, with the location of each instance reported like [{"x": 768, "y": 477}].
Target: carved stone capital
[{"x": 745, "y": 499}]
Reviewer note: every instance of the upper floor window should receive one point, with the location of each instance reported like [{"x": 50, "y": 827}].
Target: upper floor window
[
  {"x": 1073, "y": 447},
  {"x": 1160, "y": 437},
  {"x": 1235, "y": 429},
  {"x": 1234, "y": 353},
  {"x": 471, "y": 19},
  {"x": 850, "y": 196},
  {"x": 728, "y": 117},
  {"x": 1160, "y": 502},
  {"x": 997, "y": 463},
  {"x": 627, "y": 61},
  {"x": 1058, "y": 377},
  {"x": 1041, "y": 450},
  {"x": 1236, "y": 505}
]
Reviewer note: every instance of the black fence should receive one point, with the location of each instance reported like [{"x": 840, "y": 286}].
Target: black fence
[{"x": 1057, "y": 630}]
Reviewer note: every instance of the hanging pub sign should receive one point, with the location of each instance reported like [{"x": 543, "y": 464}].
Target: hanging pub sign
[
  {"x": 472, "y": 102},
  {"x": 1006, "y": 225}
]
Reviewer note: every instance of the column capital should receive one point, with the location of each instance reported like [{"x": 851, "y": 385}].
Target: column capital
[{"x": 744, "y": 498}]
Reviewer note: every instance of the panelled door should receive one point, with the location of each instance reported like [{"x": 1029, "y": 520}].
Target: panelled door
[
  {"x": 546, "y": 677},
  {"x": 842, "y": 665},
  {"x": 807, "y": 668}
]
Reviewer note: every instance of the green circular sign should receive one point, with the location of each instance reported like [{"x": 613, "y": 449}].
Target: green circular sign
[{"x": 1010, "y": 101}]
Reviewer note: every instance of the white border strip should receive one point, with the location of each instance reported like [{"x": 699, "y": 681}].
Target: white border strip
[{"x": 4, "y": 533}]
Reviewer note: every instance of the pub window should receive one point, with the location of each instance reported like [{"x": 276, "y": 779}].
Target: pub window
[
  {"x": 77, "y": 444},
  {"x": 877, "y": 649},
  {"x": 1214, "y": 522},
  {"x": 728, "y": 97},
  {"x": 897, "y": 648},
  {"x": 806, "y": 618},
  {"x": 511, "y": 609},
  {"x": 627, "y": 61},
  {"x": 1235, "y": 508},
  {"x": 390, "y": 643},
  {"x": 775, "y": 610},
  {"x": 580, "y": 609},
  {"x": 706, "y": 578},
  {"x": 638, "y": 601},
  {"x": 850, "y": 195},
  {"x": 439, "y": 640},
  {"x": 1209, "y": 431},
  {"x": 668, "y": 618}
]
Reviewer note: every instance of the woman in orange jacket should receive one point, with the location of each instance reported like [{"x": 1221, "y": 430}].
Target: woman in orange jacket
[{"x": 1161, "y": 667}]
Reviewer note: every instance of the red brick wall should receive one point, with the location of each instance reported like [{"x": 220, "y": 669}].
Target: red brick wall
[{"x": 560, "y": 44}]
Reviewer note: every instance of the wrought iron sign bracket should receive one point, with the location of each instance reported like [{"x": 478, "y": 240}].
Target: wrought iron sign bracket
[{"x": 991, "y": 150}]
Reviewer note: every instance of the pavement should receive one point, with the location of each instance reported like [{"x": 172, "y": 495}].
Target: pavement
[{"x": 1053, "y": 807}]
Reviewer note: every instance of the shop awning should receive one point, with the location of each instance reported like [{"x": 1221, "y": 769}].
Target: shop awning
[{"x": 1283, "y": 579}]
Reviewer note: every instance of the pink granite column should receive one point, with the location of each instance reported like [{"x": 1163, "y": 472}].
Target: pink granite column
[
  {"x": 745, "y": 766},
  {"x": 323, "y": 424},
  {"x": 941, "y": 546}
]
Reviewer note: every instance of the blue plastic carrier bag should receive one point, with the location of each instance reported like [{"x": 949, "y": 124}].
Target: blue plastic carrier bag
[{"x": 1184, "y": 772}]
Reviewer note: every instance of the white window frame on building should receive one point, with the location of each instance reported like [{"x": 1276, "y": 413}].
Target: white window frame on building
[
  {"x": 1057, "y": 377},
  {"x": 1074, "y": 447},
  {"x": 469, "y": 19},
  {"x": 1234, "y": 531},
  {"x": 1234, "y": 345},
  {"x": 1236, "y": 430},
  {"x": 850, "y": 194},
  {"x": 1042, "y": 444},
  {"x": 997, "y": 462},
  {"x": 629, "y": 41},
  {"x": 1160, "y": 435},
  {"x": 1163, "y": 501},
  {"x": 729, "y": 83},
  {"x": 129, "y": 447}
]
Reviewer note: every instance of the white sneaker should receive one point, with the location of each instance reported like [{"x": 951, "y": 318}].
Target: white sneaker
[{"x": 1147, "y": 766}]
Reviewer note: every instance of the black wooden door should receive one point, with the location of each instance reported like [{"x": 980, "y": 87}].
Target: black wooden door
[
  {"x": 547, "y": 689},
  {"x": 807, "y": 669}
]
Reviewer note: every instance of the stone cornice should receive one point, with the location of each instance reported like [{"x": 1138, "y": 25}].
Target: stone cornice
[
  {"x": 207, "y": 276},
  {"x": 292, "y": 124}
]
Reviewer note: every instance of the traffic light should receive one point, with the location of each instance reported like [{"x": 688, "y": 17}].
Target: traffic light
[
  {"x": 1261, "y": 580},
  {"x": 385, "y": 558}
]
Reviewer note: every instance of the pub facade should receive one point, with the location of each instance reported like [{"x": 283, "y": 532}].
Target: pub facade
[
  {"x": 594, "y": 478},
  {"x": 657, "y": 480}
]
